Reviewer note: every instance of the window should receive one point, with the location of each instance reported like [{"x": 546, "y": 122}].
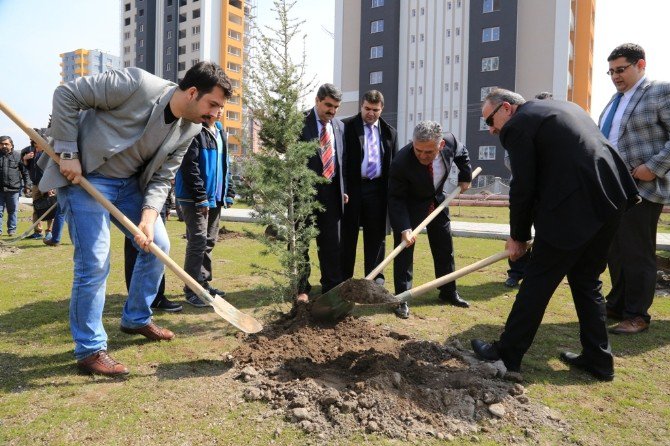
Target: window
[
  {"x": 182, "y": 2},
  {"x": 412, "y": 38},
  {"x": 446, "y": 86},
  {"x": 446, "y": 114},
  {"x": 234, "y": 18},
  {"x": 234, "y": 100},
  {"x": 423, "y": 11},
  {"x": 458, "y": 3},
  {"x": 234, "y": 51},
  {"x": 491, "y": 5},
  {"x": 182, "y": 18},
  {"x": 491, "y": 34},
  {"x": 455, "y": 86},
  {"x": 411, "y": 65},
  {"x": 126, "y": 35},
  {"x": 181, "y": 66},
  {"x": 448, "y": 5},
  {"x": 376, "y": 52},
  {"x": 126, "y": 63},
  {"x": 168, "y": 66},
  {"x": 126, "y": 21},
  {"x": 140, "y": 12},
  {"x": 413, "y": 12},
  {"x": 490, "y": 63},
  {"x": 411, "y": 91},
  {"x": 455, "y": 114},
  {"x": 235, "y": 35},
  {"x": 195, "y": 30},
  {"x": 141, "y": 27},
  {"x": 195, "y": 46},
  {"x": 421, "y": 37},
  {"x": 126, "y": 49},
  {"x": 140, "y": 58},
  {"x": 377, "y": 3},
  {"x": 234, "y": 148},
  {"x": 182, "y": 50},
  {"x": 377, "y": 26},
  {"x": 411, "y": 116},
  {"x": 234, "y": 67},
  {"x": 235, "y": 83},
  {"x": 419, "y": 116},
  {"x": 169, "y": 3},
  {"x": 126, "y": 7},
  {"x": 168, "y": 51},
  {"x": 232, "y": 131},
  {"x": 420, "y": 90},
  {"x": 169, "y": 18},
  {"x": 484, "y": 91},
  {"x": 457, "y": 59},
  {"x": 194, "y": 61},
  {"x": 458, "y": 31},
  {"x": 448, "y": 33},
  {"x": 447, "y": 60},
  {"x": 195, "y": 14},
  {"x": 169, "y": 34},
  {"x": 141, "y": 43},
  {"x": 182, "y": 33},
  {"x": 233, "y": 116},
  {"x": 376, "y": 77},
  {"x": 487, "y": 152},
  {"x": 482, "y": 124},
  {"x": 421, "y": 64}
]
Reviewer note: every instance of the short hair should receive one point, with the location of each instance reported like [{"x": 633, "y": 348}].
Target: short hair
[
  {"x": 499, "y": 95},
  {"x": 544, "y": 95},
  {"x": 204, "y": 76},
  {"x": 7, "y": 138},
  {"x": 329, "y": 90},
  {"x": 427, "y": 131},
  {"x": 631, "y": 51},
  {"x": 373, "y": 97}
]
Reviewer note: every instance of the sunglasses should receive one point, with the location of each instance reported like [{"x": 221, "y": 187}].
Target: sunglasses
[{"x": 489, "y": 118}]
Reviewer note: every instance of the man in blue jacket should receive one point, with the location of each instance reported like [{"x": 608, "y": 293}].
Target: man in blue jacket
[{"x": 202, "y": 186}]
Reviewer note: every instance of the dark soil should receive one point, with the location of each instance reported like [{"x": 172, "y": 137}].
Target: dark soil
[
  {"x": 364, "y": 291},
  {"x": 335, "y": 380},
  {"x": 225, "y": 234}
]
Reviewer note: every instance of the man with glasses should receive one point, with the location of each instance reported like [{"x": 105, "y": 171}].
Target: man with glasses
[
  {"x": 11, "y": 173},
  {"x": 637, "y": 123},
  {"x": 572, "y": 186}
]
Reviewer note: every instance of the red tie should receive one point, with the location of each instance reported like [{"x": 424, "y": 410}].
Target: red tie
[
  {"x": 431, "y": 208},
  {"x": 327, "y": 158}
]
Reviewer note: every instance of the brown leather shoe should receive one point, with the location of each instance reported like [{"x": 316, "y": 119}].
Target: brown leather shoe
[
  {"x": 630, "y": 326},
  {"x": 150, "y": 331},
  {"x": 102, "y": 364}
]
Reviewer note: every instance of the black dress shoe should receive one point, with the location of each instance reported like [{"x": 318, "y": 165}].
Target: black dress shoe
[
  {"x": 484, "y": 350},
  {"x": 512, "y": 282},
  {"x": 454, "y": 299},
  {"x": 165, "y": 304},
  {"x": 215, "y": 291},
  {"x": 402, "y": 311},
  {"x": 579, "y": 362}
]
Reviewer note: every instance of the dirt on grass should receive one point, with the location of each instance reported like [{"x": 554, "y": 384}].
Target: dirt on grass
[
  {"x": 336, "y": 379},
  {"x": 6, "y": 250},
  {"x": 225, "y": 234}
]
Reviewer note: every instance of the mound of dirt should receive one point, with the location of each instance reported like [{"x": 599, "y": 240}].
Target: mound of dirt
[
  {"x": 335, "y": 379},
  {"x": 225, "y": 234}
]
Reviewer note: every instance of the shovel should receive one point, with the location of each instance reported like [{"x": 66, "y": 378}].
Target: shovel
[
  {"x": 30, "y": 229},
  {"x": 337, "y": 302},
  {"x": 231, "y": 314}
]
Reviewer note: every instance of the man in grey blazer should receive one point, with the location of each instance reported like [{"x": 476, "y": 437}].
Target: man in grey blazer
[
  {"x": 126, "y": 131},
  {"x": 637, "y": 123}
]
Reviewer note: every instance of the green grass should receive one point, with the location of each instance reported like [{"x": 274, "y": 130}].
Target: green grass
[{"x": 177, "y": 392}]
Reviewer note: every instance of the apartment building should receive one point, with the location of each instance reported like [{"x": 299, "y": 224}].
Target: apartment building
[
  {"x": 437, "y": 59},
  {"x": 83, "y": 62}
]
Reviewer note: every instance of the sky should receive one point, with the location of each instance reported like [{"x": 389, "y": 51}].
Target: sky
[{"x": 35, "y": 32}]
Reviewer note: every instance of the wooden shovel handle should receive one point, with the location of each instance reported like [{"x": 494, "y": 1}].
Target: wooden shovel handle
[{"x": 418, "y": 229}]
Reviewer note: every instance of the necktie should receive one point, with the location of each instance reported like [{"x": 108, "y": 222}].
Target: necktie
[
  {"x": 607, "y": 124},
  {"x": 373, "y": 152},
  {"x": 327, "y": 158},
  {"x": 431, "y": 208}
]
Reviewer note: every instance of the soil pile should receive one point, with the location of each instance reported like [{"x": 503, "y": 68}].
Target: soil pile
[
  {"x": 335, "y": 379},
  {"x": 225, "y": 234}
]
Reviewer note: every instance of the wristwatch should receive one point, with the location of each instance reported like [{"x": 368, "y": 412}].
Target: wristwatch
[{"x": 69, "y": 155}]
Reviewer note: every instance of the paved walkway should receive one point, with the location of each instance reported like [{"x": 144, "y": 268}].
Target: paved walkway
[{"x": 458, "y": 228}]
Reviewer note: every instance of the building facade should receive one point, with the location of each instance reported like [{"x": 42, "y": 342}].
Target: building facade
[
  {"x": 83, "y": 62},
  {"x": 450, "y": 53},
  {"x": 167, "y": 37}
]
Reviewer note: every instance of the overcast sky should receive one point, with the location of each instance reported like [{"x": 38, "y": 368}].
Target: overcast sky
[{"x": 35, "y": 32}]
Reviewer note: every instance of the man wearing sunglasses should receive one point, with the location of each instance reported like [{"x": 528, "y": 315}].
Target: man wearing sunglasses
[
  {"x": 570, "y": 184},
  {"x": 637, "y": 123}
]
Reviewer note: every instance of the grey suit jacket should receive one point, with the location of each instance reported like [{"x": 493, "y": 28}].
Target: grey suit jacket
[
  {"x": 644, "y": 137},
  {"x": 107, "y": 113}
]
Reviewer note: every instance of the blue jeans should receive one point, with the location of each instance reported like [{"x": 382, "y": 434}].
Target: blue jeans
[
  {"x": 9, "y": 201},
  {"x": 89, "y": 224},
  {"x": 59, "y": 221}
]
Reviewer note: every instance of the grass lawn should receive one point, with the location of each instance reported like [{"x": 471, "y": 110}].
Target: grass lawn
[{"x": 177, "y": 392}]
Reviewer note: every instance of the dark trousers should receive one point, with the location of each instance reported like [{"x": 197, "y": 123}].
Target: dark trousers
[
  {"x": 518, "y": 266},
  {"x": 130, "y": 257},
  {"x": 370, "y": 213},
  {"x": 632, "y": 262},
  {"x": 441, "y": 247},
  {"x": 201, "y": 235},
  {"x": 546, "y": 269},
  {"x": 328, "y": 243}
]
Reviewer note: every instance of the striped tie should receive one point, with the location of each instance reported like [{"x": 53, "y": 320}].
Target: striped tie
[
  {"x": 327, "y": 158},
  {"x": 373, "y": 152}
]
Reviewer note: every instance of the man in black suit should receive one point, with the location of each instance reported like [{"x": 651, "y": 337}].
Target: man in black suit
[
  {"x": 371, "y": 144},
  {"x": 570, "y": 183},
  {"x": 417, "y": 179},
  {"x": 321, "y": 124}
]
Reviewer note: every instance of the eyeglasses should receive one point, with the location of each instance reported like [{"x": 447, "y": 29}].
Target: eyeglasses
[
  {"x": 619, "y": 70},
  {"x": 489, "y": 118}
]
